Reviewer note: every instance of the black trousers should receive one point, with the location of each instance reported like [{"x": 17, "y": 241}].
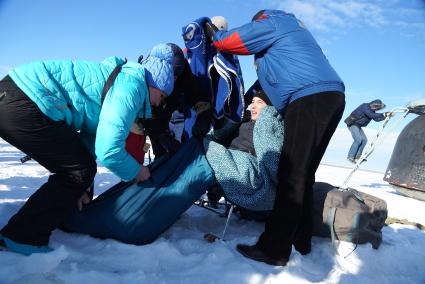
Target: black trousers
[
  {"x": 55, "y": 146},
  {"x": 309, "y": 125}
]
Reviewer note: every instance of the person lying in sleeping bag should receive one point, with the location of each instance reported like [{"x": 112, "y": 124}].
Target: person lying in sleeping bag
[{"x": 139, "y": 213}]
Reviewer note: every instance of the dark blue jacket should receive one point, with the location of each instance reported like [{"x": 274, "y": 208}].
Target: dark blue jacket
[
  {"x": 289, "y": 62},
  {"x": 218, "y": 76},
  {"x": 364, "y": 113}
]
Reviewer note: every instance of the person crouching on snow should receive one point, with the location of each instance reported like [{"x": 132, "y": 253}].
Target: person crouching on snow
[{"x": 54, "y": 112}]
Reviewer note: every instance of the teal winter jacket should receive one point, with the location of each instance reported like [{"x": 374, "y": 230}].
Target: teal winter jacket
[{"x": 70, "y": 91}]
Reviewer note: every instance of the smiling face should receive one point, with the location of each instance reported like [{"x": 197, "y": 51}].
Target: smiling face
[
  {"x": 257, "y": 105},
  {"x": 156, "y": 97}
]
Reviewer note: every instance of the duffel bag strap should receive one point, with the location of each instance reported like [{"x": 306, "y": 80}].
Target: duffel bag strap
[
  {"x": 331, "y": 222},
  {"x": 356, "y": 194}
]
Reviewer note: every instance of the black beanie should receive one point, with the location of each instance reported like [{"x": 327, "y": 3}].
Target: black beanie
[
  {"x": 262, "y": 95},
  {"x": 178, "y": 60}
]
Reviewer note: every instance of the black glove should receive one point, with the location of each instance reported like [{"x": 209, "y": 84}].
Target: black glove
[
  {"x": 202, "y": 124},
  {"x": 210, "y": 30},
  {"x": 225, "y": 130},
  {"x": 90, "y": 191},
  {"x": 168, "y": 142}
]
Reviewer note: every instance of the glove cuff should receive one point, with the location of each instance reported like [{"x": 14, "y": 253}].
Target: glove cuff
[
  {"x": 137, "y": 128},
  {"x": 201, "y": 107}
]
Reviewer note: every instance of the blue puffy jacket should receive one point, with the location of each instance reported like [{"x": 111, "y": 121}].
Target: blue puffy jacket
[
  {"x": 289, "y": 62},
  {"x": 70, "y": 91},
  {"x": 364, "y": 113}
]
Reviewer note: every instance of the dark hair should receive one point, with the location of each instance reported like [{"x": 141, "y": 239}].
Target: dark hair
[
  {"x": 258, "y": 15},
  {"x": 178, "y": 60}
]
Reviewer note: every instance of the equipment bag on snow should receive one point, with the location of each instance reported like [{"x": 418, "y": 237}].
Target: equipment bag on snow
[
  {"x": 138, "y": 214},
  {"x": 347, "y": 215}
]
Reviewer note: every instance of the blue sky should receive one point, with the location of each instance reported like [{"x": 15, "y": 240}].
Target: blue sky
[{"x": 376, "y": 46}]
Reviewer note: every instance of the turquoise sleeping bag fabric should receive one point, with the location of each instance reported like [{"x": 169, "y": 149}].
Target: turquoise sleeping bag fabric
[{"x": 138, "y": 214}]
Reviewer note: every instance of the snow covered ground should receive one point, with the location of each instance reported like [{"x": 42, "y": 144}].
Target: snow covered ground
[{"x": 181, "y": 255}]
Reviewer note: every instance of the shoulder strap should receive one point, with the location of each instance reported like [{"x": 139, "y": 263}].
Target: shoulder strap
[
  {"x": 331, "y": 223},
  {"x": 111, "y": 80}
]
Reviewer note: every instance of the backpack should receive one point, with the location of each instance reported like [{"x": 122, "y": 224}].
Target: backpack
[
  {"x": 347, "y": 215},
  {"x": 350, "y": 120}
]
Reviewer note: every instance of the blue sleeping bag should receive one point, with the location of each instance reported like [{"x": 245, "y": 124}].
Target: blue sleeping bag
[{"x": 138, "y": 214}]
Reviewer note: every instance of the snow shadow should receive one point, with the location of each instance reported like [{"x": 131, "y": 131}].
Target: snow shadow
[
  {"x": 21, "y": 187},
  {"x": 398, "y": 256},
  {"x": 11, "y": 156},
  {"x": 375, "y": 185}
]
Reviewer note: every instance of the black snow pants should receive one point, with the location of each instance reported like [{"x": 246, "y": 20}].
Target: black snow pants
[
  {"x": 55, "y": 146},
  {"x": 309, "y": 125}
]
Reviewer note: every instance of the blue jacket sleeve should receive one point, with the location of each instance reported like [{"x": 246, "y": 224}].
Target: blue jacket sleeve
[
  {"x": 118, "y": 113},
  {"x": 250, "y": 38},
  {"x": 371, "y": 114}
]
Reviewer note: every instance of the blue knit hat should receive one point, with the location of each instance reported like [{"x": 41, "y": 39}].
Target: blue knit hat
[{"x": 159, "y": 68}]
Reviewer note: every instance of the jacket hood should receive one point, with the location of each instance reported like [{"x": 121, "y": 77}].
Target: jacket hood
[{"x": 376, "y": 104}]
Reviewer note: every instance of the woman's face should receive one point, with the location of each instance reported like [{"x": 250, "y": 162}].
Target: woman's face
[
  {"x": 257, "y": 105},
  {"x": 156, "y": 97}
]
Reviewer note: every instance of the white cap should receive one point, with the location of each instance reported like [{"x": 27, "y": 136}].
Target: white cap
[{"x": 220, "y": 22}]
